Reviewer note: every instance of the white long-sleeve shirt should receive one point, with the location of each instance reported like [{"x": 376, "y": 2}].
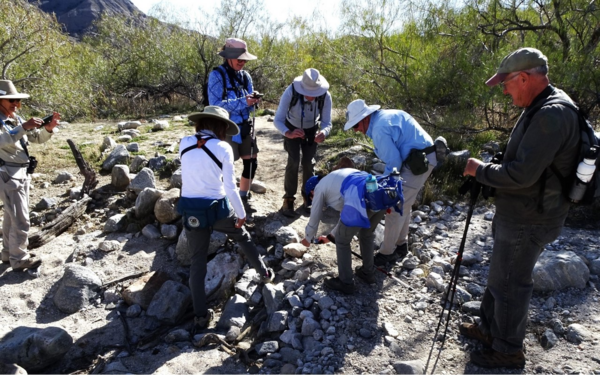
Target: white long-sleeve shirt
[
  {"x": 326, "y": 194},
  {"x": 201, "y": 176}
]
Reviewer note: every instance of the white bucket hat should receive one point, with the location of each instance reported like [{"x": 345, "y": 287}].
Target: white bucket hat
[
  {"x": 9, "y": 91},
  {"x": 311, "y": 83},
  {"x": 218, "y": 113},
  {"x": 235, "y": 48},
  {"x": 358, "y": 110}
]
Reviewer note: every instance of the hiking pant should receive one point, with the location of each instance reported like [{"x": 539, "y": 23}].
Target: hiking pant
[
  {"x": 198, "y": 243},
  {"x": 293, "y": 148},
  {"x": 505, "y": 304},
  {"x": 344, "y": 250},
  {"x": 396, "y": 225},
  {"x": 15, "y": 196}
]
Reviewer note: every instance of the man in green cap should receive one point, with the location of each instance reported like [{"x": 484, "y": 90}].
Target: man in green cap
[{"x": 530, "y": 205}]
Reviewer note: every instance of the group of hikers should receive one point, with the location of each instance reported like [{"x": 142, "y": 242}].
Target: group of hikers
[{"x": 526, "y": 218}]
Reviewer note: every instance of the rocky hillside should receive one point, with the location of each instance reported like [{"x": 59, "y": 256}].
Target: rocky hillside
[{"x": 78, "y": 16}]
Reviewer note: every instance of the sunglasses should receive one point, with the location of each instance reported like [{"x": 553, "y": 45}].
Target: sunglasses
[
  {"x": 242, "y": 61},
  {"x": 14, "y": 100}
]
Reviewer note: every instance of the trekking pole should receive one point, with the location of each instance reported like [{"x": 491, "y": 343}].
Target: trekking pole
[
  {"x": 252, "y": 142},
  {"x": 474, "y": 187}
]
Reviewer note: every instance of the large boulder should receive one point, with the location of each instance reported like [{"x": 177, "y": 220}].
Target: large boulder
[
  {"x": 77, "y": 287},
  {"x": 144, "y": 179},
  {"x": 34, "y": 348},
  {"x": 143, "y": 289},
  {"x": 120, "y": 177},
  {"x": 145, "y": 201},
  {"x": 165, "y": 208},
  {"x": 556, "y": 270},
  {"x": 222, "y": 273},
  {"x": 171, "y": 302},
  {"x": 119, "y": 155}
]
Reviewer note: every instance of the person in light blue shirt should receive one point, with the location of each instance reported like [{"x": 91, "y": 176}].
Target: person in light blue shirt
[
  {"x": 236, "y": 95},
  {"x": 399, "y": 140},
  {"x": 304, "y": 119}
]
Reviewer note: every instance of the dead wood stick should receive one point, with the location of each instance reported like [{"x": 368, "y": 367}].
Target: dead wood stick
[
  {"x": 149, "y": 340},
  {"x": 124, "y": 278},
  {"x": 90, "y": 181},
  {"x": 59, "y": 225}
]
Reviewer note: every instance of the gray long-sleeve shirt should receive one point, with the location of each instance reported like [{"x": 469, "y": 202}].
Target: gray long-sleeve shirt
[
  {"x": 294, "y": 115},
  {"x": 551, "y": 138}
]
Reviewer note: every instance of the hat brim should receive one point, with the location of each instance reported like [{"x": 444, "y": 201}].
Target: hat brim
[
  {"x": 365, "y": 112},
  {"x": 15, "y": 96},
  {"x": 496, "y": 79},
  {"x": 232, "y": 128},
  {"x": 234, "y": 55},
  {"x": 316, "y": 92}
]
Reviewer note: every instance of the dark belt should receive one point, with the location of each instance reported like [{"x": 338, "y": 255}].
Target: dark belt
[
  {"x": 10, "y": 164},
  {"x": 291, "y": 127}
]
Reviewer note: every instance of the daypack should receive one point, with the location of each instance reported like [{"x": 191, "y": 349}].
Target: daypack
[
  {"x": 588, "y": 138},
  {"x": 297, "y": 96},
  {"x": 222, "y": 71},
  {"x": 388, "y": 194}
]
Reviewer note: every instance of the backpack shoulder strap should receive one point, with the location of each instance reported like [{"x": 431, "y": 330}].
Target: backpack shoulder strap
[
  {"x": 224, "y": 79},
  {"x": 202, "y": 144},
  {"x": 295, "y": 97},
  {"x": 321, "y": 102}
]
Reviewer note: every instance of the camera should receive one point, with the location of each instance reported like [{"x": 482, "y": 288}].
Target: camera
[
  {"x": 32, "y": 165},
  {"x": 257, "y": 95},
  {"x": 48, "y": 119}
]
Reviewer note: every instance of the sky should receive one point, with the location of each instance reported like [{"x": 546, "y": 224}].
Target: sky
[{"x": 279, "y": 9}]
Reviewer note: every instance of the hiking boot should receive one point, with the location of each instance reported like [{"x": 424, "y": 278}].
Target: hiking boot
[
  {"x": 491, "y": 359},
  {"x": 472, "y": 331},
  {"x": 247, "y": 207},
  {"x": 288, "y": 207},
  {"x": 368, "y": 278},
  {"x": 336, "y": 284},
  {"x": 201, "y": 323},
  {"x": 399, "y": 253},
  {"x": 29, "y": 263},
  {"x": 268, "y": 278}
]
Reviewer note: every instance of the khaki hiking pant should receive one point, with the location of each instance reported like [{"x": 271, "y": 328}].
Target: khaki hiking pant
[
  {"x": 15, "y": 196},
  {"x": 396, "y": 226}
]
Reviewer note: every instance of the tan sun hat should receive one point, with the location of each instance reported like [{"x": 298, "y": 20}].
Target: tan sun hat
[
  {"x": 517, "y": 61},
  {"x": 358, "y": 110},
  {"x": 9, "y": 91},
  {"x": 235, "y": 48},
  {"x": 311, "y": 83},
  {"x": 218, "y": 113}
]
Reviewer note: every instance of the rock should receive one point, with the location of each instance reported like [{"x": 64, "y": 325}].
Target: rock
[
  {"x": 143, "y": 289},
  {"x": 577, "y": 333},
  {"x": 63, "y": 177},
  {"x": 114, "y": 223},
  {"x": 138, "y": 163},
  {"x": 410, "y": 262},
  {"x": 157, "y": 163},
  {"x": 258, "y": 187},
  {"x": 169, "y": 231},
  {"x": 165, "y": 208},
  {"x": 273, "y": 296},
  {"x": 556, "y": 270},
  {"x": 471, "y": 257},
  {"x": 595, "y": 267},
  {"x": 277, "y": 322},
  {"x": 124, "y": 138},
  {"x": 131, "y": 132},
  {"x": 108, "y": 144},
  {"x": 409, "y": 367},
  {"x": 109, "y": 246},
  {"x": 176, "y": 180},
  {"x": 45, "y": 203},
  {"x": 145, "y": 202},
  {"x": 286, "y": 235},
  {"x": 160, "y": 125},
  {"x": 184, "y": 255},
  {"x": 170, "y": 303},
  {"x": 177, "y": 335},
  {"x": 309, "y": 326},
  {"x": 471, "y": 307},
  {"x": 35, "y": 348},
  {"x": 129, "y": 125},
  {"x": 133, "y": 311},
  {"x": 235, "y": 313},
  {"x": 296, "y": 250},
  {"x": 390, "y": 329},
  {"x": 120, "y": 177},
  {"x": 271, "y": 227},
  {"x": 133, "y": 147},
  {"x": 78, "y": 285},
  {"x": 548, "y": 339},
  {"x": 222, "y": 273},
  {"x": 117, "y": 156},
  {"x": 144, "y": 179},
  {"x": 266, "y": 347},
  {"x": 150, "y": 231},
  {"x": 435, "y": 281}
]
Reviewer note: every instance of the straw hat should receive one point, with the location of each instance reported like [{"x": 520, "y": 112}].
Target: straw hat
[{"x": 218, "y": 113}]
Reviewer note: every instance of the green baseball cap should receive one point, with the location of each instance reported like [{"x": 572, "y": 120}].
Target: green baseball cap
[{"x": 517, "y": 61}]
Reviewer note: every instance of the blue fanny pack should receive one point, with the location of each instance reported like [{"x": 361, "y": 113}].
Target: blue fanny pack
[{"x": 202, "y": 213}]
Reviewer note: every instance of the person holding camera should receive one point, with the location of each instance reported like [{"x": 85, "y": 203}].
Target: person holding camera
[
  {"x": 304, "y": 119},
  {"x": 210, "y": 201},
  {"x": 230, "y": 87},
  {"x": 402, "y": 144},
  {"x": 15, "y": 167},
  {"x": 530, "y": 206}
]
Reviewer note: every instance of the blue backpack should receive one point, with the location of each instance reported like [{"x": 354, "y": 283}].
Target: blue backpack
[{"x": 387, "y": 195}]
